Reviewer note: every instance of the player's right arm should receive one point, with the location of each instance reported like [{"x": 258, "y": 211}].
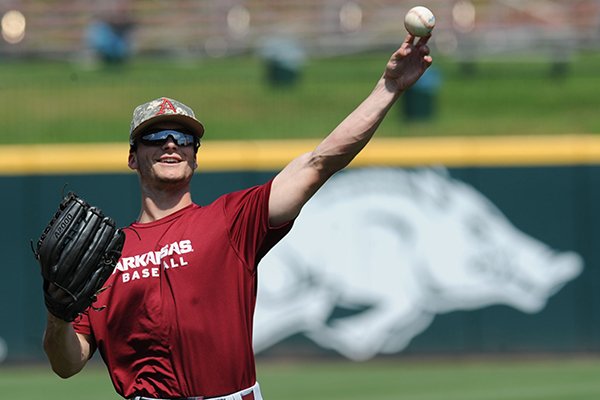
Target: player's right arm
[
  {"x": 67, "y": 350},
  {"x": 304, "y": 175}
]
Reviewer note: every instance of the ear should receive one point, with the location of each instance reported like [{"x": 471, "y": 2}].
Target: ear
[{"x": 132, "y": 160}]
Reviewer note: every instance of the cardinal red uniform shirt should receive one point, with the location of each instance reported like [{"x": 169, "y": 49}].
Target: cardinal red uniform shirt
[{"x": 180, "y": 305}]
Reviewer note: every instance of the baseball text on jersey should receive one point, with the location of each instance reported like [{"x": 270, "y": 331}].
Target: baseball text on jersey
[{"x": 147, "y": 265}]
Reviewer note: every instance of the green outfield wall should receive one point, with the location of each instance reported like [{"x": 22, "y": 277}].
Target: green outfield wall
[{"x": 547, "y": 187}]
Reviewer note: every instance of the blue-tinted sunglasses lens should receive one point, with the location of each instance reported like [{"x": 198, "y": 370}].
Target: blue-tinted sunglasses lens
[{"x": 160, "y": 137}]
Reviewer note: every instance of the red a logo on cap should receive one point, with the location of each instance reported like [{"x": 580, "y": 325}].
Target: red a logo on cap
[{"x": 166, "y": 105}]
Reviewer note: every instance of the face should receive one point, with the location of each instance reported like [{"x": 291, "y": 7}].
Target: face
[{"x": 166, "y": 165}]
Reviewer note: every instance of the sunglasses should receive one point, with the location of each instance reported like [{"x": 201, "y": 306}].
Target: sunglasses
[{"x": 159, "y": 138}]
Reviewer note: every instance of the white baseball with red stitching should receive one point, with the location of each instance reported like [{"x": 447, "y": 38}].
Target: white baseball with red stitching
[{"x": 419, "y": 21}]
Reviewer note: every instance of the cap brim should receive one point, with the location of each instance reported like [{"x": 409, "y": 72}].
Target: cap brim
[{"x": 192, "y": 125}]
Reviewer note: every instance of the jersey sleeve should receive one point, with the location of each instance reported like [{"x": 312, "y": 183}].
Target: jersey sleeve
[
  {"x": 82, "y": 324},
  {"x": 247, "y": 216}
]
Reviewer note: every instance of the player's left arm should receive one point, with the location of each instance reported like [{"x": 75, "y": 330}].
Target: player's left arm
[
  {"x": 302, "y": 177},
  {"x": 67, "y": 350}
]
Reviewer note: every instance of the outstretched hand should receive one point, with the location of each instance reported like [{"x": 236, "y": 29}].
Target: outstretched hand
[{"x": 408, "y": 63}]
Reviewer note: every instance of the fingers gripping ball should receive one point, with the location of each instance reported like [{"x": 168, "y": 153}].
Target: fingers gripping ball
[
  {"x": 419, "y": 21},
  {"x": 77, "y": 252}
]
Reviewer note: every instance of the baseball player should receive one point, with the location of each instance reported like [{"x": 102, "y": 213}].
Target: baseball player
[{"x": 178, "y": 311}]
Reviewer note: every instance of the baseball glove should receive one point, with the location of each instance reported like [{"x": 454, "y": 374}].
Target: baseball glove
[{"x": 77, "y": 252}]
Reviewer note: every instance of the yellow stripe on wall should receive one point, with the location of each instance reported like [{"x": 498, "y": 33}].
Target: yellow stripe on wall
[{"x": 273, "y": 155}]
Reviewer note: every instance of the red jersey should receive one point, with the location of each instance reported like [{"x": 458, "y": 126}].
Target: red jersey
[{"x": 180, "y": 303}]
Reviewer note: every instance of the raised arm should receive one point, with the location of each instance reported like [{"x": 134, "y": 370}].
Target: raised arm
[{"x": 302, "y": 177}]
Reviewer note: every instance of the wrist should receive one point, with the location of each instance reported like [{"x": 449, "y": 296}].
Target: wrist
[
  {"x": 56, "y": 321},
  {"x": 390, "y": 86}
]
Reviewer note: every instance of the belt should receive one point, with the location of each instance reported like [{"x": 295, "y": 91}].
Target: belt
[{"x": 252, "y": 393}]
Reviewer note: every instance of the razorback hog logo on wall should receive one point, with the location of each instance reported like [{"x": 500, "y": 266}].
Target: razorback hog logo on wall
[{"x": 399, "y": 246}]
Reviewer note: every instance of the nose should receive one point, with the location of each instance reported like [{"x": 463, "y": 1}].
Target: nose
[{"x": 169, "y": 143}]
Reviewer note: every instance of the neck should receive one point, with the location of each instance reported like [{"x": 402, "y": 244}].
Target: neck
[{"x": 158, "y": 203}]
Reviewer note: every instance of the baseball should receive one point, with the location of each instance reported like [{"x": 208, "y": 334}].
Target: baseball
[{"x": 419, "y": 21}]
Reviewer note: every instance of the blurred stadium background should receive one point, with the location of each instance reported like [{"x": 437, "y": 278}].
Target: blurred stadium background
[
  {"x": 57, "y": 29},
  {"x": 500, "y": 66},
  {"x": 511, "y": 106}
]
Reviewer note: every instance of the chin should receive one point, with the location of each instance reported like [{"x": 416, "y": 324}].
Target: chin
[
  {"x": 185, "y": 176},
  {"x": 174, "y": 179},
  {"x": 174, "y": 174}
]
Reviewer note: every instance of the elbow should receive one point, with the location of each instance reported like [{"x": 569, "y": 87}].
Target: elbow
[
  {"x": 326, "y": 167},
  {"x": 65, "y": 371},
  {"x": 62, "y": 366}
]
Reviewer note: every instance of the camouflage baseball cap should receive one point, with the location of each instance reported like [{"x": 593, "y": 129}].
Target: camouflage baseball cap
[{"x": 163, "y": 109}]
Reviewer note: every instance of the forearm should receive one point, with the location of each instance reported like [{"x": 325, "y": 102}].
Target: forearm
[
  {"x": 340, "y": 147},
  {"x": 66, "y": 351},
  {"x": 302, "y": 177}
]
